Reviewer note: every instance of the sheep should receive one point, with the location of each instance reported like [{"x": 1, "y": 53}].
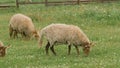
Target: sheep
[
  {"x": 3, "y": 49},
  {"x": 64, "y": 34},
  {"x": 23, "y": 25}
]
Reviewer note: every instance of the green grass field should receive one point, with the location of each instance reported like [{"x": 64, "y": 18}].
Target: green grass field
[{"x": 100, "y": 22}]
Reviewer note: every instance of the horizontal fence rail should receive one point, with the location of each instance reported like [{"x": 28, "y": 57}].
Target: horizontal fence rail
[{"x": 48, "y": 3}]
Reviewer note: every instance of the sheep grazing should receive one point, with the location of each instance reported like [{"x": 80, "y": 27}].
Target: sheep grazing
[
  {"x": 3, "y": 49},
  {"x": 64, "y": 34},
  {"x": 23, "y": 25}
]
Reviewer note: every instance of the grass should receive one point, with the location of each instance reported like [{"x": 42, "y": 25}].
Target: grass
[{"x": 100, "y": 21}]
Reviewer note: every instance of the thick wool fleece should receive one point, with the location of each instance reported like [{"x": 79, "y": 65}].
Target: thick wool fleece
[
  {"x": 62, "y": 33},
  {"x": 22, "y": 23}
]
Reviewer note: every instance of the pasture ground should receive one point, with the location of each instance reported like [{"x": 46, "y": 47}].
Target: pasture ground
[{"x": 100, "y": 21}]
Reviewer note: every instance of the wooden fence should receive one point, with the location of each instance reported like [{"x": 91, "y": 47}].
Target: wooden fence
[
  {"x": 48, "y": 2},
  {"x": 6, "y": 5}
]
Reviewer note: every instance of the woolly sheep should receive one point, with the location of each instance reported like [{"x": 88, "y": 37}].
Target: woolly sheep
[
  {"x": 65, "y": 34},
  {"x": 23, "y": 25},
  {"x": 3, "y": 49}
]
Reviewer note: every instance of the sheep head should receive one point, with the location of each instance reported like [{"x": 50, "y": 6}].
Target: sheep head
[
  {"x": 35, "y": 34},
  {"x": 86, "y": 48},
  {"x": 3, "y": 50}
]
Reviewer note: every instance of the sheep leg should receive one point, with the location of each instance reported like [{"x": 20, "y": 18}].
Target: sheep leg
[
  {"x": 77, "y": 49},
  {"x": 23, "y": 34},
  {"x": 10, "y": 32},
  {"x": 15, "y": 33},
  {"x": 52, "y": 49},
  {"x": 69, "y": 49},
  {"x": 47, "y": 47}
]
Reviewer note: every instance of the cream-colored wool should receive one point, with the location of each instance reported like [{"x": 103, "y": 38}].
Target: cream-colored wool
[
  {"x": 63, "y": 33},
  {"x": 22, "y": 24}
]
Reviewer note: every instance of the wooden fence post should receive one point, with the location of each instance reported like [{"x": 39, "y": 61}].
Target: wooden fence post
[
  {"x": 78, "y": 2},
  {"x": 46, "y": 2},
  {"x": 17, "y": 3}
]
